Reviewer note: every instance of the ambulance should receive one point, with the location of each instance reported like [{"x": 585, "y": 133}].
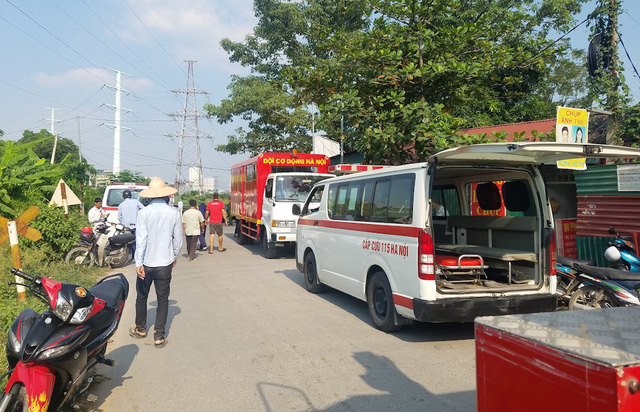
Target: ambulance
[{"x": 467, "y": 233}]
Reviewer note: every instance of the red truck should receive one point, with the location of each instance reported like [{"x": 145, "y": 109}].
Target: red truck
[{"x": 263, "y": 191}]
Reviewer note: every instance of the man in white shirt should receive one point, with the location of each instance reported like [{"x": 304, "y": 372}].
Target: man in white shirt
[
  {"x": 96, "y": 213},
  {"x": 158, "y": 243}
]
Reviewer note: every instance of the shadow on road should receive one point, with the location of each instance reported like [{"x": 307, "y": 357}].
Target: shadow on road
[
  {"x": 256, "y": 248},
  {"x": 416, "y": 332},
  {"x": 108, "y": 378},
  {"x": 174, "y": 311},
  {"x": 400, "y": 392}
]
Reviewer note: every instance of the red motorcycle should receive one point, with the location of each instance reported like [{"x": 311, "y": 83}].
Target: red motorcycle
[{"x": 52, "y": 355}]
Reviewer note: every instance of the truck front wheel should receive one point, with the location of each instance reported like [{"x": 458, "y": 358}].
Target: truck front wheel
[{"x": 270, "y": 250}]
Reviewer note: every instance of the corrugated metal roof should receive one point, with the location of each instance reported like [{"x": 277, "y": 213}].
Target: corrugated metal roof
[
  {"x": 599, "y": 180},
  {"x": 596, "y": 214}
]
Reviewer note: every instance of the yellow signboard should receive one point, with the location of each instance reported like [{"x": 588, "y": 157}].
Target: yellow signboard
[{"x": 572, "y": 126}]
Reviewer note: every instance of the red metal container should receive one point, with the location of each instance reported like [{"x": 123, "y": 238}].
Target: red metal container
[{"x": 559, "y": 361}]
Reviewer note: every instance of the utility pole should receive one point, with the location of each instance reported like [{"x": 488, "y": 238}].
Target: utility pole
[
  {"x": 189, "y": 137},
  {"x": 117, "y": 126},
  {"x": 79, "y": 140},
  {"x": 613, "y": 96},
  {"x": 55, "y": 136}
]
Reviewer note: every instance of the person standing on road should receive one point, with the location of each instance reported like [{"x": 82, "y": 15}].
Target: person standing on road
[
  {"x": 96, "y": 213},
  {"x": 158, "y": 240},
  {"x": 128, "y": 211},
  {"x": 202, "y": 239},
  {"x": 192, "y": 225},
  {"x": 215, "y": 214}
]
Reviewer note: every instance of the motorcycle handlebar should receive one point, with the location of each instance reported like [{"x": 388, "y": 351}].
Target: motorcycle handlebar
[{"x": 24, "y": 275}]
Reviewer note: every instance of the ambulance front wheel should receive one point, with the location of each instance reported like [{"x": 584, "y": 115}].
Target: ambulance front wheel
[
  {"x": 311, "y": 281},
  {"x": 380, "y": 302}
]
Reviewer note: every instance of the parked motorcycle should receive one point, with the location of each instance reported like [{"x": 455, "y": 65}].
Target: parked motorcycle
[
  {"x": 622, "y": 253},
  {"x": 584, "y": 286},
  {"x": 103, "y": 245},
  {"x": 52, "y": 355}
]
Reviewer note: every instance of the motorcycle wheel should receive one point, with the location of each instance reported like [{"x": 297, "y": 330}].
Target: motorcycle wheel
[
  {"x": 19, "y": 401},
  {"x": 591, "y": 297},
  {"x": 80, "y": 256}
]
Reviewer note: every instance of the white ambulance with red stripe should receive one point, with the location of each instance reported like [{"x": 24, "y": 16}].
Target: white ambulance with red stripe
[{"x": 468, "y": 233}]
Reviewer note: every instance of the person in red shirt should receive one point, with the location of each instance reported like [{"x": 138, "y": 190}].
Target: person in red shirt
[{"x": 215, "y": 214}]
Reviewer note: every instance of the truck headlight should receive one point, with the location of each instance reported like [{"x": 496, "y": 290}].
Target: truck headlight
[{"x": 284, "y": 223}]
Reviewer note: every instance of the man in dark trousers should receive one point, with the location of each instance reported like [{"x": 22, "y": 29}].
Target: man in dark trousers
[
  {"x": 202, "y": 238},
  {"x": 158, "y": 243}
]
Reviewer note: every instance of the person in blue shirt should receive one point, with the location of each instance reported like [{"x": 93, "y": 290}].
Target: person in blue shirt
[
  {"x": 158, "y": 243},
  {"x": 128, "y": 211}
]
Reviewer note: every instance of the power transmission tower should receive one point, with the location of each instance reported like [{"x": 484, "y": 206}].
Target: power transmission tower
[
  {"x": 117, "y": 124},
  {"x": 189, "y": 138}
]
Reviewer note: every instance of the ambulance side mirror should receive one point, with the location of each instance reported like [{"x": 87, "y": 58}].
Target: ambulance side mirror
[{"x": 295, "y": 209}]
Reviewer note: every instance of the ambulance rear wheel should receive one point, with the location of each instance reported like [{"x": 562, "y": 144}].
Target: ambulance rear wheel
[
  {"x": 311, "y": 281},
  {"x": 240, "y": 237},
  {"x": 380, "y": 302}
]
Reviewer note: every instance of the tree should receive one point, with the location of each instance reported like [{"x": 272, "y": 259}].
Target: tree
[
  {"x": 400, "y": 76},
  {"x": 42, "y": 145},
  {"x": 129, "y": 176}
]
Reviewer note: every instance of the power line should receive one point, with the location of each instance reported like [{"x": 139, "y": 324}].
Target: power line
[
  {"x": 124, "y": 43},
  {"x": 106, "y": 45},
  {"x": 628, "y": 57}
]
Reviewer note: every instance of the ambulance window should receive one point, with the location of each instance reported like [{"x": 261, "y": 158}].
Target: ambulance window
[
  {"x": 401, "y": 200},
  {"x": 331, "y": 202},
  {"x": 313, "y": 202},
  {"x": 367, "y": 198},
  {"x": 380, "y": 201},
  {"x": 447, "y": 198},
  {"x": 341, "y": 203}
]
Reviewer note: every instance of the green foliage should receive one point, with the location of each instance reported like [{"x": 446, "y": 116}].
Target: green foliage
[
  {"x": 630, "y": 131},
  {"x": 42, "y": 145},
  {"x": 59, "y": 233},
  {"x": 129, "y": 176},
  {"x": 390, "y": 74},
  {"x": 23, "y": 176}
]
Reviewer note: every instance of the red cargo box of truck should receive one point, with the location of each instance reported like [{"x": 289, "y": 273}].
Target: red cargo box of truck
[{"x": 559, "y": 361}]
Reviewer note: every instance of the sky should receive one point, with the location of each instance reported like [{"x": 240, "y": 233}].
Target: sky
[{"x": 58, "y": 54}]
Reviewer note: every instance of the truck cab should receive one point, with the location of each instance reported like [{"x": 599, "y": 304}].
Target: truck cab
[{"x": 281, "y": 191}]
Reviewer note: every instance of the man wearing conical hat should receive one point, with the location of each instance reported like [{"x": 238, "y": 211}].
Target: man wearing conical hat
[{"x": 158, "y": 243}]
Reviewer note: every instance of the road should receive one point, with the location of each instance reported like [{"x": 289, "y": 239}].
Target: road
[{"x": 245, "y": 335}]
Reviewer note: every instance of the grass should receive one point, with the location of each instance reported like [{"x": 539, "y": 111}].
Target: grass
[{"x": 34, "y": 263}]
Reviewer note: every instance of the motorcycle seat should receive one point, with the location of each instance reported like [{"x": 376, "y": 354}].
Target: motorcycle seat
[
  {"x": 123, "y": 239},
  {"x": 570, "y": 262},
  {"x": 113, "y": 290},
  {"x": 608, "y": 273}
]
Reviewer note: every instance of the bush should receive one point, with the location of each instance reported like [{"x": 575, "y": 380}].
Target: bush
[{"x": 59, "y": 233}]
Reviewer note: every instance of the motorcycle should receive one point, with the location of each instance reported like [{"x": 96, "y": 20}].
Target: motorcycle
[
  {"x": 584, "y": 286},
  {"x": 52, "y": 355},
  {"x": 622, "y": 253},
  {"x": 103, "y": 246}
]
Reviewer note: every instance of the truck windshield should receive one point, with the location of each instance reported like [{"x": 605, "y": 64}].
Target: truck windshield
[{"x": 295, "y": 188}]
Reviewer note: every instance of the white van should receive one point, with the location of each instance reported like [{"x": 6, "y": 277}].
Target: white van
[
  {"x": 468, "y": 233},
  {"x": 113, "y": 197}
]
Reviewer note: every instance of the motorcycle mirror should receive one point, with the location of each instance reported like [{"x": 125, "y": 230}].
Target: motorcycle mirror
[{"x": 612, "y": 230}]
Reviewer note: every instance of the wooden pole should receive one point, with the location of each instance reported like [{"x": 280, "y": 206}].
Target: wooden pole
[{"x": 17, "y": 263}]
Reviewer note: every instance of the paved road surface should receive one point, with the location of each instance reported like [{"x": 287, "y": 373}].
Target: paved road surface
[{"x": 244, "y": 335}]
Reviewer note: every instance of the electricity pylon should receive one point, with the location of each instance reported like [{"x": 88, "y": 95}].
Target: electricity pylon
[{"x": 189, "y": 137}]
